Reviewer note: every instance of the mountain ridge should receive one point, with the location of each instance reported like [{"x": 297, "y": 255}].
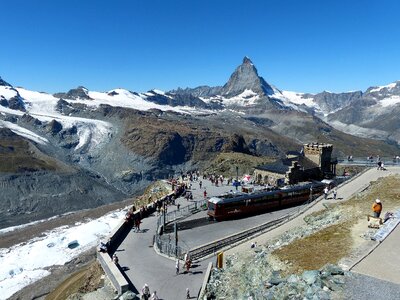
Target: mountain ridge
[{"x": 121, "y": 140}]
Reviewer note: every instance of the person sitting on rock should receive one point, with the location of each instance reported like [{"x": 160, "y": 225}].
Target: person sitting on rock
[{"x": 377, "y": 208}]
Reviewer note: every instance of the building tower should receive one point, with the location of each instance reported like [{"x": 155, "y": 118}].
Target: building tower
[{"x": 321, "y": 154}]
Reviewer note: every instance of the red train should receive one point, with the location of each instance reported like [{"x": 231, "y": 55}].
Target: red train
[{"x": 239, "y": 204}]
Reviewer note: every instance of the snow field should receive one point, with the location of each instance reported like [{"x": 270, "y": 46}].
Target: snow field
[{"x": 26, "y": 263}]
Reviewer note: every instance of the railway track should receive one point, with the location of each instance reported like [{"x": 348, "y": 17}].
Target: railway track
[
  {"x": 212, "y": 248},
  {"x": 190, "y": 224}
]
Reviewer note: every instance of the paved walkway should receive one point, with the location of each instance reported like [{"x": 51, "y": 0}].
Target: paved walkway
[
  {"x": 384, "y": 261},
  {"x": 143, "y": 265}
]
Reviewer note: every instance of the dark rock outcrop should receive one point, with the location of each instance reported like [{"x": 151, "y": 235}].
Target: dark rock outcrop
[
  {"x": 332, "y": 101},
  {"x": 176, "y": 100},
  {"x": 28, "y": 119},
  {"x": 201, "y": 91},
  {"x": 4, "y": 83},
  {"x": 54, "y": 127},
  {"x": 16, "y": 102},
  {"x": 112, "y": 93},
  {"x": 79, "y": 93}
]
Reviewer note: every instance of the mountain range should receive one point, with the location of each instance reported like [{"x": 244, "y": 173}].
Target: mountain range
[{"x": 119, "y": 141}]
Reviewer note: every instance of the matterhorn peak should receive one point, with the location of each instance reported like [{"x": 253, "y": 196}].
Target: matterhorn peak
[
  {"x": 247, "y": 60},
  {"x": 245, "y": 78}
]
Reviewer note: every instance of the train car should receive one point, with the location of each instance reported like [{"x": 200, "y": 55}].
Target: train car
[{"x": 238, "y": 204}]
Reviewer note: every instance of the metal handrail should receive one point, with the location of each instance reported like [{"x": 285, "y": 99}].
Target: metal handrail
[{"x": 166, "y": 246}]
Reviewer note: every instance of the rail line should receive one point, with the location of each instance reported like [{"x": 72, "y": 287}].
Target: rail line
[{"x": 211, "y": 248}]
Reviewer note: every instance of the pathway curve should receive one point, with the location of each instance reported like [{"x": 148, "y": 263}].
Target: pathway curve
[{"x": 144, "y": 265}]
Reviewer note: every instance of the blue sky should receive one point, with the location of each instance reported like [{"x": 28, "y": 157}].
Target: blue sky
[{"x": 305, "y": 46}]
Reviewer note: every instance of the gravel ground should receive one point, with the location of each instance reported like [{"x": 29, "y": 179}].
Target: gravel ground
[{"x": 364, "y": 287}]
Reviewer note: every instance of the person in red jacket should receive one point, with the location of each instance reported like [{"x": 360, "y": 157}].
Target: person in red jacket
[{"x": 377, "y": 208}]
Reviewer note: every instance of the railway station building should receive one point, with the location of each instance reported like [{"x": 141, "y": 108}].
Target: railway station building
[{"x": 313, "y": 162}]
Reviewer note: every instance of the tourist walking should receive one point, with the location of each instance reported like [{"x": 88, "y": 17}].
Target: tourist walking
[
  {"x": 115, "y": 259},
  {"x": 377, "y": 208},
  {"x": 177, "y": 267},
  {"x": 334, "y": 194},
  {"x": 145, "y": 292},
  {"x": 326, "y": 190},
  {"x": 200, "y": 183},
  {"x": 205, "y": 194}
]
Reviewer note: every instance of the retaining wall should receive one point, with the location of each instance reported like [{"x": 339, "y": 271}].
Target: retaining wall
[{"x": 116, "y": 237}]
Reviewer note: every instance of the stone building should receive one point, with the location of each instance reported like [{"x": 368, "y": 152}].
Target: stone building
[
  {"x": 314, "y": 162},
  {"x": 321, "y": 154}
]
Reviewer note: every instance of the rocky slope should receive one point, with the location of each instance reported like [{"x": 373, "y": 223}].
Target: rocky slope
[{"x": 35, "y": 185}]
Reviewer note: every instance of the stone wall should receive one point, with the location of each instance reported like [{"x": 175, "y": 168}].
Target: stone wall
[{"x": 267, "y": 177}]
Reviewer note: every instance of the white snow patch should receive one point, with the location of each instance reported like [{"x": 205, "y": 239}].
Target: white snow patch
[
  {"x": 42, "y": 106},
  {"x": 127, "y": 99},
  {"x": 7, "y": 92},
  {"x": 25, "y": 263},
  {"x": 24, "y": 132},
  {"x": 390, "y": 101},
  {"x": 379, "y": 88},
  {"x": 299, "y": 99},
  {"x": 10, "y": 111},
  {"x": 158, "y": 92},
  {"x": 246, "y": 98}
]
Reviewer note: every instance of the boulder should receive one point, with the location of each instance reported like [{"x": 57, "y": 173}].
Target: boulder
[{"x": 310, "y": 276}]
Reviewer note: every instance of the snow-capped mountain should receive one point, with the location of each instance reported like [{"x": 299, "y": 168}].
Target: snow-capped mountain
[
  {"x": 244, "y": 92},
  {"x": 119, "y": 140},
  {"x": 46, "y": 107},
  {"x": 373, "y": 114},
  {"x": 245, "y": 78},
  {"x": 9, "y": 97},
  {"x": 244, "y": 89}
]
